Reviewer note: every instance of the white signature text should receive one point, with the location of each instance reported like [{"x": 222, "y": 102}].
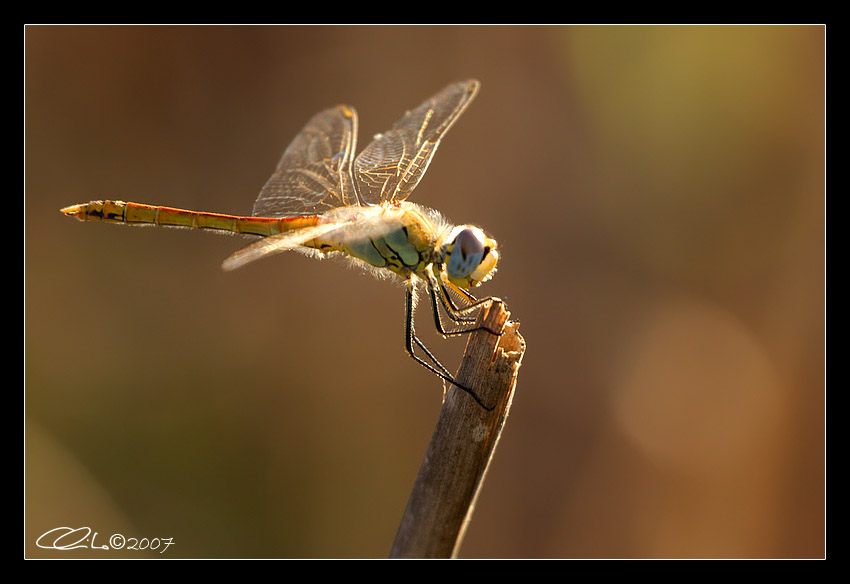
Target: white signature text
[{"x": 69, "y": 538}]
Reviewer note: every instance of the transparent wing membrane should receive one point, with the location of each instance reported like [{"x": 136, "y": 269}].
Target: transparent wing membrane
[
  {"x": 291, "y": 240},
  {"x": 314, "y": 173},
  {"x": 394, "y": 163},
  {"x": 317, "y": 172}
]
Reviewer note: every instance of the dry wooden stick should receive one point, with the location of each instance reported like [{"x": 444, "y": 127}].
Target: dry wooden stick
[{"x": 451, "y": 474}]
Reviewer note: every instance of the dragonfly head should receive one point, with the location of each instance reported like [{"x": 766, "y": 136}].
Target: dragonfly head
[{"x": 470, "y": 257}]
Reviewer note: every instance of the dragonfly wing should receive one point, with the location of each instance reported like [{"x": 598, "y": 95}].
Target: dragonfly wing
[
  {"x": 314, "y": 173},
  {"x": 394, "y": 163},
  {"x": 287, "y": 241}
]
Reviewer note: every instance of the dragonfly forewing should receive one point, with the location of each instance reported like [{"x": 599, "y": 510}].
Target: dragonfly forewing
[{"x": 391, "y": 166}]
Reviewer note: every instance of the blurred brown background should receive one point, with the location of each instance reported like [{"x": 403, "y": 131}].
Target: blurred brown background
[{"x": 658, "y": 193}]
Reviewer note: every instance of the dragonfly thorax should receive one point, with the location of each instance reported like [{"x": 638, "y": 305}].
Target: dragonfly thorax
[{"x": 408, "y": 239}]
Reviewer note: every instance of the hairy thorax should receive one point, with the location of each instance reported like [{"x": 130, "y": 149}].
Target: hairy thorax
[{"x": 400, "y": 237}]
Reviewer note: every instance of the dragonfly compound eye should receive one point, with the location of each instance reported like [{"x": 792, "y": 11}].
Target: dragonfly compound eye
[
  {"x": 471, "y": 257},
  {"x": 465, "y": 253}
]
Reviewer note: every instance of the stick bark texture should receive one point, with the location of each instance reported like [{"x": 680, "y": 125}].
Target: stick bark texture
[{"x": 457, "y": 458}]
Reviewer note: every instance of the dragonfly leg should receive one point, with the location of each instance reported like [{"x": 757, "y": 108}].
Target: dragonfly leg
[
  {"x": 455, "y": 313},
  {"x": 435, "y": 366},
  {"x": 459, "y": 315}
]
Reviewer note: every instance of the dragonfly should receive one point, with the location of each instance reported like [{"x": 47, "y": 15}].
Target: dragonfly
[{"x": 322, "y": 200}]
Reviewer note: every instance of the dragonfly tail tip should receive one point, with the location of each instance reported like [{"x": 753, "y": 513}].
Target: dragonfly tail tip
[{"x": 77, "y": 211}]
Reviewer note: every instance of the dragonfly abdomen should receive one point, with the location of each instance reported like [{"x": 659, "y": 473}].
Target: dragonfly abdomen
[{"x": 141, "y": 214}]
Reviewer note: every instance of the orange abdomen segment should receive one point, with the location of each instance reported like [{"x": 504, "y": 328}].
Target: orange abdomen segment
[{"x": 141, "y": 214}]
